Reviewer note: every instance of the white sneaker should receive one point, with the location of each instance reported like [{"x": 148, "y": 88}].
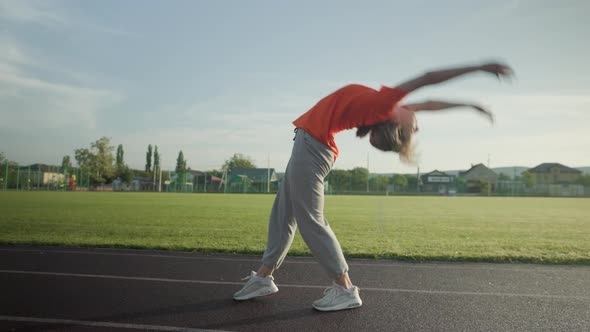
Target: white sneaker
[
  {"x": 339, "y": 298},
  {"x": 256, "y": 286}
]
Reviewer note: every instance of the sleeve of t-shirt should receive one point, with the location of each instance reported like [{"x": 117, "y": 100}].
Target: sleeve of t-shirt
[{"x": 373, "y": 107}]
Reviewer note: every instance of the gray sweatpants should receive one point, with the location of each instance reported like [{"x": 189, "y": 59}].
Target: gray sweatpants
[{"x": 300, "y": 202}]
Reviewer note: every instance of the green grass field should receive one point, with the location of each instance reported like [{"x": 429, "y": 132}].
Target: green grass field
[{"x": 541, "y": 230}]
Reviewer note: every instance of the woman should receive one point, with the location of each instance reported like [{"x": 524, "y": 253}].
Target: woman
[{"x": 300, "y": 200}]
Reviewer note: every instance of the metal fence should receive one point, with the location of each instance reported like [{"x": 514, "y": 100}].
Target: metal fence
[
  {"x": 55, "y": 178},
  {"x": 42, "y": 178}
]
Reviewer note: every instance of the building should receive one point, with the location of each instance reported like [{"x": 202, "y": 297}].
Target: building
[
  {"x": 192, "y": 181},
  {"x": 479, "y": 179},
  {"x": 437, "y": 182},
  {"x": 253, "y": 180},
  {"x": 44, "y": 174},
  {"x": 140, "y": 183},
  {"x": 204, "y": 182},
  {"x": 554, "y": 173},
  {"x": 556, "y": 179}
]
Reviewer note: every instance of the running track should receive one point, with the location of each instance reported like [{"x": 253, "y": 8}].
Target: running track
[{"x": 74, "y": 289}]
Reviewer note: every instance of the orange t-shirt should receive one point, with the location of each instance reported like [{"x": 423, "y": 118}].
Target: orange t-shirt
[{"x": 350, "y": 107}]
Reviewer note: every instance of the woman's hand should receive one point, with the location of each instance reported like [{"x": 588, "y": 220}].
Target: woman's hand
[
  {"x": 489, "y": 115},
  {"x": 497, "y": 69}
]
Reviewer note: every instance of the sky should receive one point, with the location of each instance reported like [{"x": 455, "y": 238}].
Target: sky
[{"x": 214, "y": 78}]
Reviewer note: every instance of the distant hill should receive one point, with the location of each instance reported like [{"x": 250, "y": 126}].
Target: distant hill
[
  {"x": 508, "y": 170},
  {"x": 519, "y": 169}
]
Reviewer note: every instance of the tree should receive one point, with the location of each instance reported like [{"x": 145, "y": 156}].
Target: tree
[
  {"x": 359, "y": 178},
  {"x": 340, "y": 179},
  {"x": 379, "y": 183},
  {"x": 529, "y": 180},
  {"x": 400, "y": 181},
  {"x": 156, "y": 159},
  {"x": 484, "y": 186},
  {"x": 584, "y": 180},
  {"x": 126, "y": 174},
  {"x": 84, "y": 158},
  {"x": 180, "y": 163},
  {"x": 9, "y": 178},
  {"x": 148, "y": 159},
  {"x": 503, "y": 177},
  {"x": 238, "y": 160},
  {"x": 66, "y": 164},
  {"x": 119, "y": 161},
  {"x": 122, "y": 171},
  {"x": 3, "y": 176},
  {"x": 98, "y": 160},
  {"x": 104, "y": 159},
  {"x": 412, "y": 182},
  {"x": 215, "y": 172},
  {"x": 460, "y": 184}
]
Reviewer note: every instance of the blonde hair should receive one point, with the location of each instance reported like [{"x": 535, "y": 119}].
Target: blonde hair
[{"x": 389, "y": 136}]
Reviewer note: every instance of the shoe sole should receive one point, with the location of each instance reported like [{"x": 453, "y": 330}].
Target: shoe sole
[
  {"x": 342, "y": 306},
  {"x": 258, "y": 293}
]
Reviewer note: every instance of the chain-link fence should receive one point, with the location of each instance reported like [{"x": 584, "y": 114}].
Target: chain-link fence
[
  {"x": 39, "y": 177},
  {"x": 42, "y": 177},
  {"x": 455, "y": 186}
]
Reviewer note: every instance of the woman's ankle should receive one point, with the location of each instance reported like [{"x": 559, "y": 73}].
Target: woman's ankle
[
  {"x": 343, "y": 280},
  {"x": 264, "y": 271}
]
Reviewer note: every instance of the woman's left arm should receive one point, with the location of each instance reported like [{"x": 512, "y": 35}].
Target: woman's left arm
[{"x": 436, "y": 105}]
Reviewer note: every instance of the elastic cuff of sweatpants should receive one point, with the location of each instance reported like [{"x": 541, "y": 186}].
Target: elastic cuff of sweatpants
[
  {"x": 269, "y": 264},
  {"x": 336, "y": 275}
]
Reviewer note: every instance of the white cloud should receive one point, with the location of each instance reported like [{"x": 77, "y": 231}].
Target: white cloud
[
  {"x": 536, "y": 125},
  {"x": 210, "y": 131},
  {"x": 8, "y": 68},
  {"x": 32, "y": 83},
  {"x": 241, "y": 109},
  {"x": 208, "y": 147},
  {"x": 37, "y": 104},
  {"x": 49, "y": 13},
  {"x": 10, "y": 53},
  {"x": 107, "y": 30},
  {"x": 30, "y": 12},
  {"x": 38, "y": 96},
  {"x": 531, "y": 128}
]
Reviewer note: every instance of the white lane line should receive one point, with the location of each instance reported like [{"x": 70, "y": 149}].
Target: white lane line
[
  {"x": 143, "y": 327},
  {"x": 105, "y": 276},
  {"x": 140, "y": 254},
  {"x": 235, "y": 283},
  {"x": 351, "y": 261}
]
